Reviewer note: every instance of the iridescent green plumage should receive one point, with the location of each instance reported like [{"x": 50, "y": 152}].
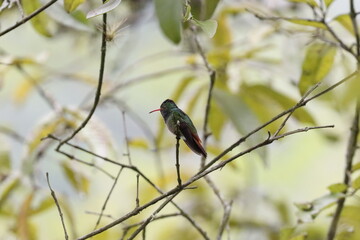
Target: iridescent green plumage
[{"x": 181, "y": 125}]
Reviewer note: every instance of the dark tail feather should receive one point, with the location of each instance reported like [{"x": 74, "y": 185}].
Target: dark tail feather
[
  {"x": 192, "y": 140},
  {"x": 196, "y": 147}
]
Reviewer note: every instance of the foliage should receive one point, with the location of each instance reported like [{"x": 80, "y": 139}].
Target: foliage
[{"x": 238, "y": 72}]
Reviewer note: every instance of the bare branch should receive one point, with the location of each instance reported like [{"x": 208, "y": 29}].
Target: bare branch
[
  {"x": 58, "y": 206},
  {"x": 107, "y": 198},
  {"x": 24, "y": 20},
  {"x": 99, "y": 86},
  {"x": 350, "y": 153}
]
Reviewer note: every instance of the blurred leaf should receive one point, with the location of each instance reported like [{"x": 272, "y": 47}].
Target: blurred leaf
[
  {"x": 337, "y": 187},
  {"x": 180, "y": 89},
  {"x": 223, "y": 35},
  {"x": 345, "y": 21},
  {"x": 203, "y": 10},
  {"x": 240, "y": 115},
  {"x": 317, "y": 64},
  {"x": 71, "y": 5},
  {"x": 266, "y": 102},
  {"x": 76, "y": 178},
  {"x": 310, "y": 210},
  {"x": 46, "y": 203},
  {"x": 208, "y": 26},
  {"x": 23, "y": 89},
  {"x": 106, "y": 7},
  {"x": 312, "y": 3},
  {"x": 307, "y": 22},
  {"x": 76, "y": 20},
  {"x": 356, "y": 183},
  {"x": 25, "y": 230},
  {"x": 40, "y": 21},
  {"x": 350, "y": 223},
  {"x": 139, "y": 143},
  {"x": 352, "y": 90},
  {"x": 216, "y": 121},
  {"x": 46, "y": 127},
  {"x": 286, "y": 233},
  {"x": 5, "y": 161},
  {"x": 7, "y": 187},
  {"x": 169, "y": 14},
  {"x": 328, "y": 2},
  {"x": 355, "y": 167}
]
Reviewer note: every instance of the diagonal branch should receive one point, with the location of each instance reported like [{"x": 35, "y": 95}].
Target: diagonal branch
[
  {"x": 99, "y": 86},
  {"x": 58, "y": 206},
  {"x": 24, "y": 20}
]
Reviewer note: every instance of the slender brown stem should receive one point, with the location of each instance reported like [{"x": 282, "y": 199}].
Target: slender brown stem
[
  {"x": 25, "y": 19},
  {"x": 99, "y": 86},
  {"x": 177, "y": 160},
  {"x": 107, "y": 198},
  {"x": 58, "y": 206},
  {"x": 350, "y": 153}
]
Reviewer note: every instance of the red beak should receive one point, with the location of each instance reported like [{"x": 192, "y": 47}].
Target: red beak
[{"x": 155, "y": 110}]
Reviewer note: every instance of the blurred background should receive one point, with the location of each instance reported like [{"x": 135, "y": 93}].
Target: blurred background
[{"x": 48, "y": 76}]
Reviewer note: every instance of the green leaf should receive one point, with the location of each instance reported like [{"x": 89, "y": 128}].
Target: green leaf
[
  {"x": 312, "y": 3},
  {"x": 356, "y": 183},
  {"x": 337, "y": 187},
  {"x": 76, "y": 178},
  {"x": 40, "y": 21},
  {"x": 355, "y": 167},
  {"x": 46, "y": 203},
  {"x": 310, "y": 210},
  {"x": 328, "y": 2},
  {"x": 265, "y": 102},
  {"x": 203, "y": 10},
  {"x": 106, "y": 7},
  {"x": 307, "y": 22},
  {"x": 169, "y": 14},
  {"x": 5, "y": 161},
  {"x": 345, "y": 21},
  {"x": 208, "y": 26},
  {"x": 71, "y": 5},
  {"x": 8, "y": 186},
  {"x": 240, "y": 115},
  {"x": 350, "y": 223},
  {"x": 317, "y": 64},
  {"x": 216, "y": 121},
  {"x": 286, "y": 233}
]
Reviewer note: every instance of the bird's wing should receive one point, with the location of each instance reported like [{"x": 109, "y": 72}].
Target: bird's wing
[{"x": 192, "y": 139}]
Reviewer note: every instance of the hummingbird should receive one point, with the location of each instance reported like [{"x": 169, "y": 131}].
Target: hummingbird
[{"x": 180, "y": 124}]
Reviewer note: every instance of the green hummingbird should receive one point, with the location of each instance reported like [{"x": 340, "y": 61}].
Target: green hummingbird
[{"x": 181, "y": 125}]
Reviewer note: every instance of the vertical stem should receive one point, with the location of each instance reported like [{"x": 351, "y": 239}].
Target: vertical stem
[
  {"x": 350, "y": 152},
  {"x": 177, "y": 160}
]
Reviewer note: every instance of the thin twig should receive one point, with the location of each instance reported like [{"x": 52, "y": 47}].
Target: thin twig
[
  {"x": 290, "y": 114},
  {"x": 58, "y": 206},
  {"x": 212, "y": 78},
  {"x": 350, "y": 153},
  {"x": 355, "y": 27},
  {"x": 177, "y": 160},
  {"x": 137, "y": 201},
  {"x": 128, "y": 227},
  {"x": 135, "y": 169},
  {"x": 225, "y": 220},
  {"x": 298, "y": 105},
  {"x": 126, "y": 139},
  {"x": 149, "y": 219},
  {"x": 107, "y": 198},
  {"x": 24, "y": 20},
  {"x": 173, "y": 192},
  {"x": 99, "y": 86},
  {"x": 95, "y": 213},
  {"x": 48, "y": 99}
]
